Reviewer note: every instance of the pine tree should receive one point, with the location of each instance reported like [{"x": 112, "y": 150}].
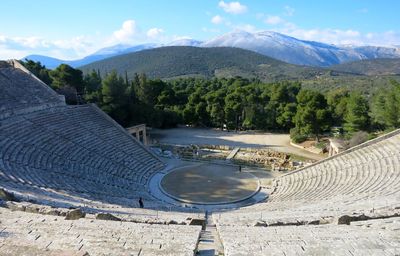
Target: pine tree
[{"x": 356, "y": 118}]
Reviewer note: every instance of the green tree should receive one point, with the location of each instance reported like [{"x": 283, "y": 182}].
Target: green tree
[
  {"x": 114, "y": 98},
  {"x": 215, "y": 107},
  {"x": 337, "y": 103},
  {"x": 233, "y": 109},
  {"x": 65, "y": 75},
  {"x": 92, "y": 82},
  {"x": 195, "y": 111},
  {"x": 312, "y": 116},
  {"x": 285, "y": 119},
  {"x": 356, "y": 118},
  {"x": 385, "y": 107},
  {"x": 39, "y": 70}
]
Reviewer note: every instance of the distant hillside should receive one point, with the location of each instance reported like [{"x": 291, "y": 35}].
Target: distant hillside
[
  {"x": 182, "y": 61},
  {"x": 371, "y": 67},
  {"x": 366, "y": 84}
]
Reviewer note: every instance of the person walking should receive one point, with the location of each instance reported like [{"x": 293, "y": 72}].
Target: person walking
[{"x": 141, "y": 202}]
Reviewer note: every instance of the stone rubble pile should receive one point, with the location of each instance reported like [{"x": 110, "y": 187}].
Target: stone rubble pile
[{"x": 277, "y": 161}]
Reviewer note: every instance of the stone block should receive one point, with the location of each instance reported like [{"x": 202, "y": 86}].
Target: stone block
[
  {"x": 107, "y": 216},
  {"x": 75, "y": 214}
]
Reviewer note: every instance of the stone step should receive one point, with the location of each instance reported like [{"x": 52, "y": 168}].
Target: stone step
[
  {"x": 233, "y": 153},
  {"x": 209, "y": 242}
]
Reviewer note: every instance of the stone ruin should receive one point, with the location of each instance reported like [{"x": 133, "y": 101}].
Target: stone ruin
[{"x": 260, "y": 157}]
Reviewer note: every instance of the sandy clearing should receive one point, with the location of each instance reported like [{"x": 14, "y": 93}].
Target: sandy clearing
[{"x": 187, "y": 136}]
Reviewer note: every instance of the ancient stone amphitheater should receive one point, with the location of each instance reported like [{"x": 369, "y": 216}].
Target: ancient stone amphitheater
[{"x": 71, "y": 178}]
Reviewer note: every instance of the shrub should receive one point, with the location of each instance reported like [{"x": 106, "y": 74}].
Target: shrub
[{"x": 296, "y": 136}]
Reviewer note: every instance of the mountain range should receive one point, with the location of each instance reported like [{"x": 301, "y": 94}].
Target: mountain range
[
  {"x": 268, "y": 43},
  {"x": 187, "y": 61}
]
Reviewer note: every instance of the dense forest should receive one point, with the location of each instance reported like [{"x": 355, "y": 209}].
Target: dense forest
[{"x": 232, "y": 103}]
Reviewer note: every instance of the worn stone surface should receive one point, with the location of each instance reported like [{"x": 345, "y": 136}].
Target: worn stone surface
[
  {"x": 31, "y": 234},
  {"x": 378, "y": 237},
  {"x": 21, "y": 92}
]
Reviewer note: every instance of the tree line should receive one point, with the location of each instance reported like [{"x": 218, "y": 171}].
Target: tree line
[{"x": 234, "y": 103}]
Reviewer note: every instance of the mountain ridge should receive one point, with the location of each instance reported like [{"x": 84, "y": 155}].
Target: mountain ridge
[{"x": 272, "y": 44}]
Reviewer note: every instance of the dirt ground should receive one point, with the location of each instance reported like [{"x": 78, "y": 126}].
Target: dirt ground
[
  {"x": 187, "y": 136},
  {"x": 210, "y": 183}
]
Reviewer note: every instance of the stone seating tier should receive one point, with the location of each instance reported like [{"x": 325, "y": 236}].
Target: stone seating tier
[
  {"x": 377, "y": 237},
  {"x": 76, "y": 149},
  {"x": 21, "y": 92},
  {"x": 358, "y": 181},
  {"x": 25, "y": 233}
]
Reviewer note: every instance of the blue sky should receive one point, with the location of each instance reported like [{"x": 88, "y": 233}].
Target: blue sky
[{"x": 72, "y": 29}]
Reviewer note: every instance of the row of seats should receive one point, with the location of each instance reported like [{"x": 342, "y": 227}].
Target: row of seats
[
  {"x": 77, "y": 149},
  {"x": 377, "y": 237},
  {"x": 361, "y": 181},
  {"x": 20, "y": 90},
  {"x": 372, "y": 170},
  {"x": 25, "y": 233},
  {"x": 61, "y": 143}
]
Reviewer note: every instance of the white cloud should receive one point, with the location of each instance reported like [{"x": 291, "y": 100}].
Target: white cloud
[
  {"x": 274, "y": 20},
  {"x": 154, "y": 32},
  {"x": 232, "y": 7},
  {"x": 79, "y": 46},
  {"x": 131, "y": 33},
  {"x": 19, "y": 47},
  {"x": 127, "y": 33},
  {"x": 289, "y": 11},
  {"x": 217, "y": 19}
]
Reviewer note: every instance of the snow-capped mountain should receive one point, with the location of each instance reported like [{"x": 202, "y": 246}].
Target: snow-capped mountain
[
  {"x": 295, "y": 51},
  {"x": 272, "y": 44}
]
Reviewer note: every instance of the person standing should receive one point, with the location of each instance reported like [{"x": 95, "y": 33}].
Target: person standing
[{"x": 141, "y": 202}]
